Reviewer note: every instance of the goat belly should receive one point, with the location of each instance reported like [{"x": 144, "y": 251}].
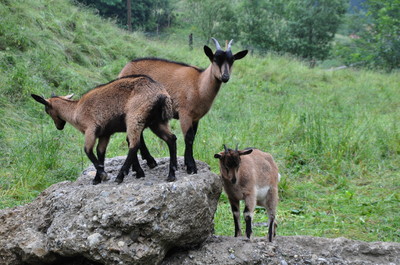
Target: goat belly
[
  {"x": 262, "y": 194},
  {"x": 117, "y": 124}
]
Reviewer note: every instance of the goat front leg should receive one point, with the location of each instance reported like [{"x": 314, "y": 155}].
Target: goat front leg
[
  {"x": 90, "y": 140},
  {"x": 163, "y": 131},
  {"x": 101, "y": 154},
  {"x": 235, "y": 207},
  {"x": 189, "y": 130},
  {"x": 250, "y": 204}
]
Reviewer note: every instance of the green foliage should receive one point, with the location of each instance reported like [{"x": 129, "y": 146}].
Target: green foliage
[
  {"x": 212, "y": 18},
  {"x": 312, "y": 26},
  {"x": 262, "y": 25},
  {"x": 334, "y": 134},
  {"x": 303, "y": 28},
  {"x": 147, "y": 15},
  {"x": 377, "y": 44}
]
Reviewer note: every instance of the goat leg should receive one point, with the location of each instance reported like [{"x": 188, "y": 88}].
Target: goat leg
[
  {"x": 144, "y": 151},
  {"x": 190, "y": 135},
  {"x": 101, "y": 154},
  {"x": 90, "y": 140},
  {"x": 271, "y": 228},
  {"x": 163, "y": 131},
  {"x": 131, "y": 159},
  {"x": 235, "y": 205},
  {"x": 250, "y": 205},
  {"x": 247, "y": 218}
]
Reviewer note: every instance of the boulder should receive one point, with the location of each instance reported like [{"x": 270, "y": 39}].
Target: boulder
[
  {"x": 151, "y": 221},
  {"x": 136, "y": 222}
]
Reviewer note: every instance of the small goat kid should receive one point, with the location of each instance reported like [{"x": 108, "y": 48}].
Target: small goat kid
[
  {"x": 127, "y": 104},
  {"x": 192, "y": 90},
  {"x": 250, "y": 175}
]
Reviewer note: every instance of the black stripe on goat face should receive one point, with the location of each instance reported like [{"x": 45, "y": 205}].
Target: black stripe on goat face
[
  {"x": 231, "y": 162},
  {"x": 224, "y": 61}
]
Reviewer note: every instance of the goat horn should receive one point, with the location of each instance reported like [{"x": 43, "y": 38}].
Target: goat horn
[
  {"x": 226, "y": 149},
  {"x": 53, "y": 95},
  {"x": 237, "y": 145},
  {"x": 216, "y": 44},
  {"x": 229, "y": 45}
]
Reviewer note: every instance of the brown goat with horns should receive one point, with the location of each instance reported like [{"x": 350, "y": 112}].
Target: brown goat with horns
[
  {"x": 192, "y": 90},
  {"x": 128, "y": 104},
  {"x": 250, "y": 175}
]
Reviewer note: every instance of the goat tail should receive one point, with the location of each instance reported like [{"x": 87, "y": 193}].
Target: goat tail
[{"x": 165, "y": 102}]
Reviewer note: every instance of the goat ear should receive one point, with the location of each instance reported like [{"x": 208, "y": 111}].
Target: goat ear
[
  {"x": 245, "y": 152},
  {"x": 209, "y": 53},
  {"x": 240, "y": 54},
  {"x": 217, "y": 156},
  {"x": 40, "y": 99}
]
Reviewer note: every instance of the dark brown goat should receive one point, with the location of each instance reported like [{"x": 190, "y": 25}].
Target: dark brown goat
[
  {"x": 192, "y": 90},
  {"x": 128, "y": 104},
  {"x": 250, "y": 175}
]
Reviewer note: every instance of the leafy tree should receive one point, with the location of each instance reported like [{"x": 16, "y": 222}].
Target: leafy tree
[
  {"x": 312, "y": 26},
  {"x": 384, "y": 32},
  {"x": 148, "y": 15},
  {"x": 262, "y": 24},
  {"x": 377, "y": 43},
  {"x": 301, "y": 27},
  {"x": 213, "y": 19}
]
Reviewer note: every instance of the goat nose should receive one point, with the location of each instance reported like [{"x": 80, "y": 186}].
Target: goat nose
[{"x": 225, "y": 78}]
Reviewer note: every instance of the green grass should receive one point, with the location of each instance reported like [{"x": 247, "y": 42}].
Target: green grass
[{"x": 335, "y": 135}]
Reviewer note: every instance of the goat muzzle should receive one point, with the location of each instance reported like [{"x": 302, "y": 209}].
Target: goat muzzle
[{"x": 225, "y": 78}]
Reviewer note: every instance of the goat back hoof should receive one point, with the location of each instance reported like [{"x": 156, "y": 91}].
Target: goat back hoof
[
  {"x": 119, "y": 180},
  {"x": 152, "y": 164},
  {"x": 96, "y": 181},
  {"x": 171, "y": 178},
  {"x": 104, "y": 176}
]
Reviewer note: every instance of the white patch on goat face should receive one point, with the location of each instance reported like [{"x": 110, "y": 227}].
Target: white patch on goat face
[{"x": 262, "y": 193}]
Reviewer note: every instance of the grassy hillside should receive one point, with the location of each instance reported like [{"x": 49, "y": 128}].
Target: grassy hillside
[{"x": 335, "y": 135}]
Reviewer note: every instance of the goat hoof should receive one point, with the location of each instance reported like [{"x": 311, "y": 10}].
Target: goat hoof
[
  {"x": 104, "y": 176},
  {"x": 96, "y": 181},
  {"x": 139, "y": 175},
  {"x": 152, "y": 164},
  {"x": 119, "y": 180},
  {"x": 191, "y": 170},
  {"x": 171, "y": 178}
]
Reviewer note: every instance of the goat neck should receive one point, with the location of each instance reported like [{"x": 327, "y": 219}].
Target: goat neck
[
  {"x": 209, "y": 85},
  {"x": 65, "y": 110}
]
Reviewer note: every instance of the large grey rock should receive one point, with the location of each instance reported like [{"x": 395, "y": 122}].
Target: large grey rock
[
  {"x": 136, "y": 222},
  {"x": 151, "y": 221},
  {"x": 299, "y": 250}
]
